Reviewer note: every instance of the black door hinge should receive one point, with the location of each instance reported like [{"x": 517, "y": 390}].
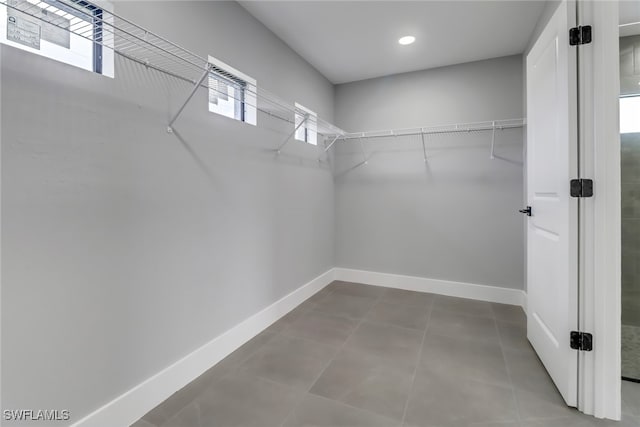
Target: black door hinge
[
  {"x": 582, "y": 341},
  {"x": 527, "y": 211},
  {"x": 581, "y": 188},
  {"x": 580, "y": 35}
]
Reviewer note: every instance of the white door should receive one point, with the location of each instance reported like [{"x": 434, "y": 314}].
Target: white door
[{"x": 552, "y": 239}]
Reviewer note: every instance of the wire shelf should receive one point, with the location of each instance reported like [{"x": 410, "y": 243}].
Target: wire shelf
[
  {"x": 435, "y": 130},
  {"x": 452, "y": 129},
  {"x": 133, "y": 42}
]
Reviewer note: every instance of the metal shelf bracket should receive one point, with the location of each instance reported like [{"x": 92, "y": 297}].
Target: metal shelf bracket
[
  {"x": 328, "y": 147},
  {"x": 286, "y": 141},
  {"x": 193, "y": 92},
  {"x": 493, "y": 142},
  {"x": 424, "y": 147}
]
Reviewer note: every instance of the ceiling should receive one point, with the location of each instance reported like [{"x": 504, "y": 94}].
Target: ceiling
[{"x": 356, "y": 40}]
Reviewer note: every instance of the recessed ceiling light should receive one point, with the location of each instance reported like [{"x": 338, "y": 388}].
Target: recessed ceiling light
[{"x": 406, "y": 40}]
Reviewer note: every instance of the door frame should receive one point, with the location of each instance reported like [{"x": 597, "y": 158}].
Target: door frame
[{"x": 599, "y": 385}]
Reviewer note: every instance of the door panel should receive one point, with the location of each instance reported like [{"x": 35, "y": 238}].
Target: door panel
[{"x": 552, "y": 245}]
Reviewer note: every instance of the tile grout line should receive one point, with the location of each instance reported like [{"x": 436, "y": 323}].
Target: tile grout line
[
  {"x": 506, "y": 367},
  {"x": 342, "y": 346},
  {"x": 339, "y": 349},
  {"x": 347, "y": 405},
  {"x": 237, "y": 369},
  {"x": 375, "y": 301},
  {"x": 460, "y": 313},
  {"x": 307, "y": 339},
  {"x": 393, "y": 325},
  {"x": 415, "y": 370},
  {"x": 232, "y": 370}
]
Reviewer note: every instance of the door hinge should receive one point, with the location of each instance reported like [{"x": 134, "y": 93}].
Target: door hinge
[
  {"x": 580, "y": 35},
  {"x": 582, "y": 341},
  {"x": 527, "y": 211},
  {"x": 581, "y": 188}
]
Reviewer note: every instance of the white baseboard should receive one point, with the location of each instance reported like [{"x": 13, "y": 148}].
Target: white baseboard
[
  {"x": 436, "y": 286},
  {"x": 130, "y": 406}
]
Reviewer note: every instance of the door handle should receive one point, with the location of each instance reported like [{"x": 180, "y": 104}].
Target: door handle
[{"x": 526, "y": 211}]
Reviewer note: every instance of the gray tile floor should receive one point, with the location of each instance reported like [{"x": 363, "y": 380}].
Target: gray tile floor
[
  {"x": 356, "y": 355},
  {"x": 631, "y": 351}
]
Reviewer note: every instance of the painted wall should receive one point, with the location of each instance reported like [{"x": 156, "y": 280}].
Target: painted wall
[
  {"x": 630, "y": 168},
  {"x": 125, "y": 248},
  {"x": 630, "y": 171},
  {"x": 455, "y": 217},
  {"x": 630, "y": 65}
]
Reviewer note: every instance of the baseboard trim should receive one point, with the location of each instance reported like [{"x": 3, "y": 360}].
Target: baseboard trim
[
  {"x": 436, "y": 286},
  {"x": 130, "y": 406},
  {"x": 133, "y": 404}
]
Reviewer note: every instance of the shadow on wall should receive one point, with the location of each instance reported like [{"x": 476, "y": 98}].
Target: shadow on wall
[
  {"x": 170, "y": 93},
  {"x": 397, "y": 157}
]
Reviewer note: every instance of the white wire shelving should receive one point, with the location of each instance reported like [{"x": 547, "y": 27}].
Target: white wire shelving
[
  {"x": 437, "y": 130},
  {"x": 135, "y": 43},
  {"x": 457, "y": 128}
]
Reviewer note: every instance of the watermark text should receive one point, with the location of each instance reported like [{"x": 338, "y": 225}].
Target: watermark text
[{"x": 36, "y": 415}]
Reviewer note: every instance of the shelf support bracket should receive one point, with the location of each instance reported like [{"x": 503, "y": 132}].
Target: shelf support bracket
[
  {"x": 493, "y": 142},
  {"x": 424, "y": 147},
  {"x": 193, "y": 92},
  {"x": 286, "y": 141},
  {"x": 364, "y": 153},
  {"x": 328, "y": 147}
]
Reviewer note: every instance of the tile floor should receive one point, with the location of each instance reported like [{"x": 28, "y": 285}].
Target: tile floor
[
  {"x": 631, "y": 351},
  {"x": 356, "y": 355}
]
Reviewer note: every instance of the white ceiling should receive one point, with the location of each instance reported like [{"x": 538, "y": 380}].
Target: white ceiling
[{"x": 356, "y": 40}]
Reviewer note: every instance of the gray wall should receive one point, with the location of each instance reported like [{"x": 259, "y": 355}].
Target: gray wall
[
  {"x": 630, "y": 65},
  {"x": 125, "y": 248},
  {"x": 630, "y": 172},
  {"x": 454, "y": 218}
]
